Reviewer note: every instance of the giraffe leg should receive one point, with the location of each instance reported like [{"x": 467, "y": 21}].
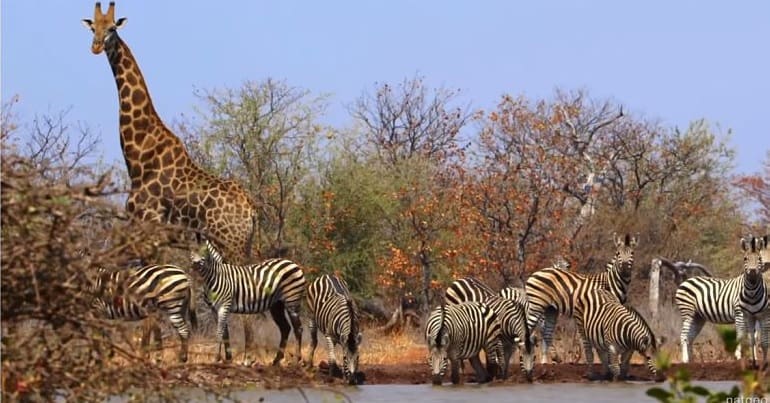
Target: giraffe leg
[{"x": 279, "y": 317}]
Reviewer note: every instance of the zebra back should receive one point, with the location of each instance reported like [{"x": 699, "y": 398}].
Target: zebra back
[
  {"x": 467, "y": 289},
  {"x": 559, "y": 288},
  {"x": 607, "y": 322},
  {"x": 462, "y": 331}
]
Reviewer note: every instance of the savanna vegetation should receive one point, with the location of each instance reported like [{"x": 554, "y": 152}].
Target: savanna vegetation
[{"x": 417, "y": 189}]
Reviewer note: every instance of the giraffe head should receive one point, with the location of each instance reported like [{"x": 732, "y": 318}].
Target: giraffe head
[{"x": 103, "y": 26}]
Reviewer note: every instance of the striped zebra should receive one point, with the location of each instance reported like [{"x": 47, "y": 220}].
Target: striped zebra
[
  {"x": 741, "y": 300},
  {"x": 553, "y": 291},
  {"x": 459, "y": 332},
  {"x": 616, "y": 331},
  {"x": 276, "y": 285},
  {"x": 136, "y": 293},
  {"x": 333, "y": 312},
  {"x": 516, "y": 294},
  {"x": 511, "y": 314}
]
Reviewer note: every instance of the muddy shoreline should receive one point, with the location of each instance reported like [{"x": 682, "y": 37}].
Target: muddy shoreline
[{"x": 233, "y": 375}]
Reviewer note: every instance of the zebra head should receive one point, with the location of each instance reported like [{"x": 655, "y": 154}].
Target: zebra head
[
  {"x": 351, "y": 342},
  {"x": 623, "y": 262},
  {"x": 438, "y": 344},
  {"x": 752, "y": 262},
  {"x": 527, "y": 351}
]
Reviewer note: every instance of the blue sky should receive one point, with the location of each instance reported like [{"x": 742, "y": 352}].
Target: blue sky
[{"x": 676, "y": 61}]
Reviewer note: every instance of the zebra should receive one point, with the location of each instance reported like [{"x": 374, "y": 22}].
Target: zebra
[
  {"x": 553, "y": 291},
  {"x": 511, "y": 314},
  {"x": 277, "y": 285},
  {"x": 741, "y": 300},
  {"x": 333, "y": 312},
  {"x": 516, "y": 294},
  {"x": 614, "y": 330},
  {"x": 458, "y": 332},
  {"x": 136, "y": 293}
]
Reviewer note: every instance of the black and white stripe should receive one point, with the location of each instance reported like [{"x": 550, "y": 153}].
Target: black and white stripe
[
  {"x": 133, "y": 294},
  {"x": 741, "y": 300},
  {"x": 333, "y": 312},
  {"x": 510, "y": 312},
  {"x": 277, "y": 285},
  {"x": 616, "y": 331},
  {"x": 553, "y": 291},
  {"x": 459, "y": 332}
]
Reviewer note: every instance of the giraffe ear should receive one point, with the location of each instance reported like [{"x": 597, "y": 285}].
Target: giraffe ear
[
  {"x": 88, "y": 23},
  {"x": 121, "y": 22}
]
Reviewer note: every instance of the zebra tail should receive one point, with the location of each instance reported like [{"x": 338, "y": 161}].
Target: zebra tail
[{"x": 191, "y": 312}]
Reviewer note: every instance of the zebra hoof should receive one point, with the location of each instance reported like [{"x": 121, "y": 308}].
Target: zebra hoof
[{"x": 437, "y": 381}]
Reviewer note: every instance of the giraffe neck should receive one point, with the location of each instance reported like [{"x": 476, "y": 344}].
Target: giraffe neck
[{"x": 143, "y": 136}]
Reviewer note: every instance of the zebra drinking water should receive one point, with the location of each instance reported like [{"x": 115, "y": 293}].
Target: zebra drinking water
[
  {"x": 333, "y": 312},
  {"x": 511, "y": 314},
  {"x": 460, "y": 332},
  {"x": 616, "y": 331}
]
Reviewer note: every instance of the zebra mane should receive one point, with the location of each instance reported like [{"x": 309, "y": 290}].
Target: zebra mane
[
  {"x": 441, "y": 324},
  {"x": 353, "y": 324},
  {"x": 213, "y": 253},
  {"x": 643, "y": 322}
]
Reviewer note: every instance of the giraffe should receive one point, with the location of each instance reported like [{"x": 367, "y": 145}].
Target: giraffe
[{"x": 167, "y": 186}]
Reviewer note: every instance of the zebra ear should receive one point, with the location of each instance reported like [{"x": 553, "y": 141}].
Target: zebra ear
[
  {"x": 661, "y": 341},
  {"x": 744, "y": 245},
  {"x": 359, "y": 337}
]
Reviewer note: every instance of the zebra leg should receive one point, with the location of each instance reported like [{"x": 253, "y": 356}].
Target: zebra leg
[
  {"x": 313, "y": 328},
  {"x": 549, "y": 324},
  {"x": 481, "y": 374},
  {"x": 334, "y": 369},
  {"x": 455, "y": 375},
  {"x": 278, "y": 313},
  {"x": 223, "y": 333},
  {"x": 625, "y": 363},
  {"x": 763, "y": 325},
  {"x": 296, "y": 325},
  {"x": 750, "y": 329},
  {"x": 612, "y": 357},
  {"x": 507, "y": 353},
  {"x": 158, "y": 339},
  {"x": 587, "y": 346},
  {"x": 691, "y": 327},
  {"x": 178, "y": 321},
  {"x": 604, "y": 358},
  {"x": 146, "y": 334},
  {"x": 740, "y": 327}
]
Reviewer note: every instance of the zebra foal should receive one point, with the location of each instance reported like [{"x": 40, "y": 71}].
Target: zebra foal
[
  {"x": 136, "y": 293},
  {"x": 333, "y": 312},
  {"x": 276, "y": 285}
]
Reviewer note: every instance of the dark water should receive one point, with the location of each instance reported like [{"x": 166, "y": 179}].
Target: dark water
[{"x": 555, "y": 392}]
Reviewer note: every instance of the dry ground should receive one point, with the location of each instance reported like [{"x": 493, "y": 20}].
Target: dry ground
[{"x": 393, "y": 359}]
